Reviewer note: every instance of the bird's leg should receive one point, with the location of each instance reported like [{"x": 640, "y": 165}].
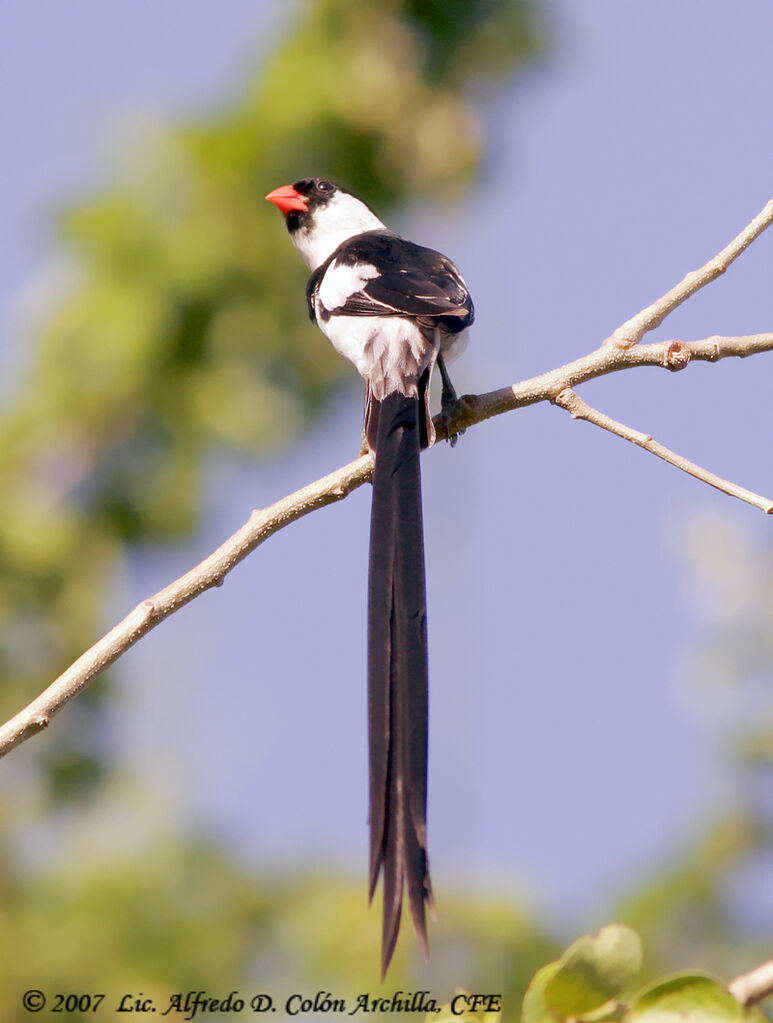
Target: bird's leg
[{"x": 448, "y": 401}]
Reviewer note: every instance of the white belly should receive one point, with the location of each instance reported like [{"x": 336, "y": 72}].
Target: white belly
[{"x": 390, "y": 352}]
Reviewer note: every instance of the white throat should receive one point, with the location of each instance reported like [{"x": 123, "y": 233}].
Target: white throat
[{"x": 342, "y": 218}]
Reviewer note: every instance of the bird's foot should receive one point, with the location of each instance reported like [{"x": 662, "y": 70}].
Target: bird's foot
[
  {"x": 449, "y": 407},
  {"x": 453, "y": 408}
]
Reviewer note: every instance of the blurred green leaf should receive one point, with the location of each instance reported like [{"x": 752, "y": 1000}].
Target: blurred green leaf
[
  {"x": 593, "y": 970},
  {"x": 535, "y": 1008},
  {"x": 689, "y": 997}
]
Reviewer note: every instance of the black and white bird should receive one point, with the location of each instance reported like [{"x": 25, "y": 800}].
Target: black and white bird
[{"x": 396, "y": 310}]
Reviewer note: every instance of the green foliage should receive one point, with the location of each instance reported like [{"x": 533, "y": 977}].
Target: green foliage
[
  {"x": 590, "y": 981},
  {"x": 173, "y": 916},
  {"x": 591, "y": 973},
  {"x": 696, "y": 997},
  {"x": 594, "y": 970},
  {"x": 684, "y": 908},
  {"x": 180, "y": 329}
]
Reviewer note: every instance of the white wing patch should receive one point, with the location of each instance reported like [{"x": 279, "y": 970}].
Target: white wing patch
[{"x": 340, "y": 282}]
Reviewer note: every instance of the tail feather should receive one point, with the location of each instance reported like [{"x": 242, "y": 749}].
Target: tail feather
[{"x": 397, "y": 667}]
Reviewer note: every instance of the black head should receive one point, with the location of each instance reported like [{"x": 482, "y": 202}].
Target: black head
[
  {"x": 317, "y": 192},
  {"x": 299, "y": 202},
  {"x": 320, "y": 216}
]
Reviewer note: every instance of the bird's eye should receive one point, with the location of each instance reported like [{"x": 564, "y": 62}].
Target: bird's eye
[{"x": 325, "y": 186}]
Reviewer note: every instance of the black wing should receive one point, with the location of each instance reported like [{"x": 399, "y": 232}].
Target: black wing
[{"x": 411, "y": 281}]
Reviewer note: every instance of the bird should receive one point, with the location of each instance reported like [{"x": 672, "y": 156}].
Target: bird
[{"x": 396, "y": 310}]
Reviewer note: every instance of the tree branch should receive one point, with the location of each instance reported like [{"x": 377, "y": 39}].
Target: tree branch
[
  {"x": 208, "y": 573},
  {"x": 633, "y": 330},
  {"x": 672, "y": 355},
  {"x": 616, "y": 353},
  {"x": 579, "y": 409},
  {"x": 754, "y": 986}
]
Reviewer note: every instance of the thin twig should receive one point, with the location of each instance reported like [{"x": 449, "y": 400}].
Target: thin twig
[
  {"x": 472, "y": 409},
  {"x": 672, "y": 355},
  {"x": 208, "y": 573},
  {"x": 579, "y": 409},
  {"x": 633, "y": 330},
  {"x": 754, "y": 986}
]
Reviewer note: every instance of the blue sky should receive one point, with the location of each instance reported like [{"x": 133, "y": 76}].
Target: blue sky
[{"x": 566, "y": 758}]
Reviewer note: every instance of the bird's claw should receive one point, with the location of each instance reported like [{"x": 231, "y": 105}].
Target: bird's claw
[{"x": 448, "y": 409}]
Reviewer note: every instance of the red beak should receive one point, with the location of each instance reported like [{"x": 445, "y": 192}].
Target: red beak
[{"x": 286, "y": 198}]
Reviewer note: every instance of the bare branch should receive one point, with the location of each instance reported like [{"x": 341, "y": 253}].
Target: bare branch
[
  {"x": 208, "y": 573},
  {"x": 754, "y": 986},
  {"x": 633, "y": 330},
  {"x": 472, "y": 409},
  {"x": 579, "y": 409},
  {"x": 673, "y": 355},
  {"x": 712, "y": 349}
]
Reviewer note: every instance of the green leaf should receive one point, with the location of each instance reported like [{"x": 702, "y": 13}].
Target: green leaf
[
  {"x": 535, "y": 1008},
  {"x": 593, "y": 971},
  {"x": 696, "y": 997},
  {"x": 609, "y": 1012}
]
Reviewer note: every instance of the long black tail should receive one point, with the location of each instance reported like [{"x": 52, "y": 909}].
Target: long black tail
[{"x": 397, "y": 667}]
